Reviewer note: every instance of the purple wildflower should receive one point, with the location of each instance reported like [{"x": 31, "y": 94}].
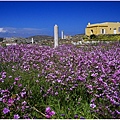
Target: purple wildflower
[
  {"x": 92, "y": 105},
  {"x": 16, "y": 78},
  {"x": 58, "y": 81},
  {"x": 10, "y": 76},
  {"x": 1, "y": 80},
  {"x": 23, "y": 94},
  {"x": 3, "y": 76},
  {"x": 52, "y": 113},
  {"x": 37, "y": 81},
  {"x": 14, "y": 83},
  {"x": 49, "y": 113},
  {"x": 82, "y": 117},
  {"x": 0, "y": 99},
  {"x": 118, "y": 112},
  {"x": 6, "y": 110},
  {"x": 62, "y": 114},
  {"x": 10, "y": 102},
  {"x": 16, "y": 116},
  {"x": 18, "y": 97},
  {"x": 76, "y": 116},
  {"x": 48, "y": 109},
  {"x": 20, "y": 85},
  {"x": 47, "y": 116},
  {"x": 56, "y": 93},
  {"x": 24, "y": 103}
]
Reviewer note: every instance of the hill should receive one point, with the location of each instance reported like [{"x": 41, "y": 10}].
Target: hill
[{"x": 38, "y": 38}]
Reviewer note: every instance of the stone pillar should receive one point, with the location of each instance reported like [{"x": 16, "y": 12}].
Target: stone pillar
[
  {"x": 32, "y": 41},
  {"x": 62, "y": 34},
  {"x": 55, "y": 36}
]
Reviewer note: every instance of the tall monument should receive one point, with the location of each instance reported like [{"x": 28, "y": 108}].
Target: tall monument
[
  {"x": 32, "y": 41},
  {"x": 62, "y": 34},
  {"x": 55, "y": 36}
]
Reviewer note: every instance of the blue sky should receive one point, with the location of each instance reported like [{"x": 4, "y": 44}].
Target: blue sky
[{"x": 27, "y": 18}]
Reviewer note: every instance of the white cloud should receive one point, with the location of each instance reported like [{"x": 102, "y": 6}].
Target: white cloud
[
  {"x": 2, "y": 30},
  {"x": 11, "y": 31},
  {"x": 23, "y": 30}
]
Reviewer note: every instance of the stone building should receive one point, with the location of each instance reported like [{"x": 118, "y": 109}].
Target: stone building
[{"x": 103, "y": 28}]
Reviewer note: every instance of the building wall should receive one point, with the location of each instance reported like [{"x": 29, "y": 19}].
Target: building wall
[
  {"x": 103, "y": 28},
  {"x": 113, "y": 26},
  {"x": 96, "y": 30}
]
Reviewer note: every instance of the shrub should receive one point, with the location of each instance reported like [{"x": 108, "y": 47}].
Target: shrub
[{"x": 93, "y": 36}]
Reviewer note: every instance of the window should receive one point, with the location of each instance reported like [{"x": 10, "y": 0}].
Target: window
[
  {"x": 103, "y": 31},
  {"x": 91, "y": 31},
  {"x": 119, "y": 29},
  {"x": 114, "y": 31},
  {"x": 110, "y": 28}
]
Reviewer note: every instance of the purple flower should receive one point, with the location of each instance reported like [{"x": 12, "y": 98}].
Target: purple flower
[
  {"x": 1, "y": 80},
  {"x": 23, "y": 94},
  {"x": 3, "y": 76},
  {"x": 93, "y": 100},
  {"x": 92, "y": 105},
  {"x": 94, "y": 74},
  {"x": 10, "y": 102},
  {"x": 76, "y": 116},
  {"x": 16, "y": 78},
  {"x": 58, "y": 81},
  {"x": 56, "y": 93},
  {"x": 14, "y": 83},
  {"x": 23, "y": 108},
  {"x": 62, "y": 114},
  {"x": 10, "y": 76},
  {"x": 38, "y": 75},
  {"x": 49, "y": 113},
  {"x": 6, "y": 110},
  {"x": 16, "y": 116},
  {"x": 52, "y": 113},
  {"x": 71, "y": 89},
  {"x": 26, "y": 116},
  {"x": 4, "y": 73},
  {"x": 37, "y": 81},
  {"x": 20, "y": 85},
  {"x": 90, "y": 87},
  {"x": 100, "y": 80},
  {"x": 82, "y": 117},
  {"x": 24, "y": 103},
  {"x": 18, "y": 97},
  {"x": 48, "y": 109},
  {"x": 47, "y": 116},
  {"x": 0, "y": 99},
  {"x": 78, "y": 102},
  {"x": 118, "y": 112}
]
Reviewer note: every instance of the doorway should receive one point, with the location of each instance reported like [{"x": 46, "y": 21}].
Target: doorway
[{"x": 115, "y": 31}]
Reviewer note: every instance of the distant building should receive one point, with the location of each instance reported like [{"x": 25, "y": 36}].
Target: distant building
[
  {"x": 68, "y": 37},
  {"x": 103, "y": 28},
  {"x": 64, "y": 36}
]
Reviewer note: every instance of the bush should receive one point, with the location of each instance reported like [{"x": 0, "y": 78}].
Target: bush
[
  {"x": 85, "y": 37},
  {"x": 92, "y": 36},
  {"x": 1, "y": 39}
]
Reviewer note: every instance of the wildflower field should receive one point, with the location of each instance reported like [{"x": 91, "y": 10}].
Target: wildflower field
[{"x": 66, "y": 82}]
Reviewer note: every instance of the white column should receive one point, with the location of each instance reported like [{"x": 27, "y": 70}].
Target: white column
[
  {"x": 32, "y": 41},
  {"x": 55, "y": 36},
  {"x": 62, "y": 34}
]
